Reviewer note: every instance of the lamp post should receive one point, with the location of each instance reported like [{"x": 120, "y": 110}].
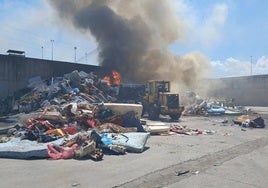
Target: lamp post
[
  {"x": 42, "y": 51},
  {"x": 75, "y": 48},
  {"x": 52, "y": 41},
  {"x": 251, "y": 65}
]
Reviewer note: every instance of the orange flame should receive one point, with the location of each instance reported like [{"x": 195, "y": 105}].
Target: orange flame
[
  {"x": 116, "y": 78},
  {"x": 108, "y": 80},
  {"x": 113, "y": 79}
]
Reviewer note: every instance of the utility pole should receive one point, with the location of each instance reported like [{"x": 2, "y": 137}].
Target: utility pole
[
  {"x": 75, "y": 48},
  {"x": 251, "y": 65},
  {"x": 52, "y": 41},
  {"x": 42, "y": 52}
]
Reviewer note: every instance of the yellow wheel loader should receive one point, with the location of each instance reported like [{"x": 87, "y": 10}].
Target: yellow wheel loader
[{"x": 159, "y": 100}]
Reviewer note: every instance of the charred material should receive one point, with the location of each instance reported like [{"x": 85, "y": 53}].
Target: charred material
[{"x": 131, "y": 93}]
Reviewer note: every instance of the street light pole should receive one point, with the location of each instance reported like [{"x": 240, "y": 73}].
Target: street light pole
[
  {"x": 251, "y": 65},
  {"x": 42, "y": 52},
  {"x": 52, "y": 41},
  {"x": 75, "y": 54}
]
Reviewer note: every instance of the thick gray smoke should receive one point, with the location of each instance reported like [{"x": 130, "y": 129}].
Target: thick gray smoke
[{"x": 133, "y": 38}]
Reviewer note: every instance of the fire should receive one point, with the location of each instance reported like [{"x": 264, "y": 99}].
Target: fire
[
  {"x": 116, "y": 77},
  {"x": 113, "y": 79},
  {"x": 108, "y": 80}
]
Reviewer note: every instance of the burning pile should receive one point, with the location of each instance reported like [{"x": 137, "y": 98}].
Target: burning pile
[
  {"x": 69, "y": 118},
  {"x": 114, "y": 79}
]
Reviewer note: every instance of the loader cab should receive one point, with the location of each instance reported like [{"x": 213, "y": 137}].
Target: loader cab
[{"x": 154, "y": 89}]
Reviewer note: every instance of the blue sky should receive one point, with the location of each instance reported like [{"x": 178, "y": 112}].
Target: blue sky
[{"x": 228, "y": 33}]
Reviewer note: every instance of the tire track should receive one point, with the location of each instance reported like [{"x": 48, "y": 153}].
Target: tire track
[{"x": 177, "y": 172}]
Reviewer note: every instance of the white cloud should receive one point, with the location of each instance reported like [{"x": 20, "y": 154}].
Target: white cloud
[
  {"x": 205, "y": 26},
  {"x": 212, "y": 27},
  {"x": 261, "y": 66},
  {"x": 232, "y": 67},
  {"x": 206, "y": 29},
  {"x": 29, "y": 26}
]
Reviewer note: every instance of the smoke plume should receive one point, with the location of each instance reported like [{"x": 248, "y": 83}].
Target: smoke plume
[{"x": 133, "y": 38}]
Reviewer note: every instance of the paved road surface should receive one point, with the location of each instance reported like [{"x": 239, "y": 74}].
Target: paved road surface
[{"x": 232, "y": 157}]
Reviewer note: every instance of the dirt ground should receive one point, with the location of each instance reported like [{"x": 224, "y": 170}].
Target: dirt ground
[{"x": 232, "y": 157}]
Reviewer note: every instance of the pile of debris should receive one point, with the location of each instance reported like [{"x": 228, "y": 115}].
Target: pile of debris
[
  {"x": 244, "y": 117},
  {"x": 195, "y": 105},
  {"x": 250, "y": 121},
  {"x": 72, "y": 117},
  {"x": 159, "y": 128},
  {"x": 76, "y": 116}
]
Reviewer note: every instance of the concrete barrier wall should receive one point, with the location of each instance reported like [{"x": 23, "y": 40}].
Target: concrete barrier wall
[
  {"x": 247, "y": 90},
  {"x": 15, "y": 71}
]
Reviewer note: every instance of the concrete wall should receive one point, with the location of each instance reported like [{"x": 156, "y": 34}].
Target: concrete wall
[
  {"x": 247, "y": 90},
  {"x": 15, "y": 71}
]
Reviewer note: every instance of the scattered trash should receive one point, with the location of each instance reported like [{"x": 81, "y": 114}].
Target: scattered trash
[
  {"x": 215, "y": 110},
  {"x": 257, "y": 123},
  {"x": 182, "y": 172},
  {"x": 227, "y": 134},
  {"x": 75, "y": 184},
  {"x": 239, "y": 120},
  {"x": 250, "y": 121},
  {"x": 233, "y": 112},
  {"x": 187, "y": 131},
  {"x": 157, "y": 128},
  {"x": 222, "y": 121},
  {"x": 209, "y": 132},
  {"x": 195, "y": 105},
  {"x": 196, "y": 172}
]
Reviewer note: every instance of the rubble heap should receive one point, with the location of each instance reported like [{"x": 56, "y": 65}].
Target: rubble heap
[
  {"x": 75, "y": 116},
  {"x": 195, "y": 105},
  {"x": 68, "y": 118}
]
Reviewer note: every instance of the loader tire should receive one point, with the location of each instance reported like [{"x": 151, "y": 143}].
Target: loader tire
[
  {"x": 153, "y": 113},
  {"x": 175, "y": 116}
]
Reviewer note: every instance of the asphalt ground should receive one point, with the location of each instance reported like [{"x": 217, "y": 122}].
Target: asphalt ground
[{"x": 232, "y": 157}]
